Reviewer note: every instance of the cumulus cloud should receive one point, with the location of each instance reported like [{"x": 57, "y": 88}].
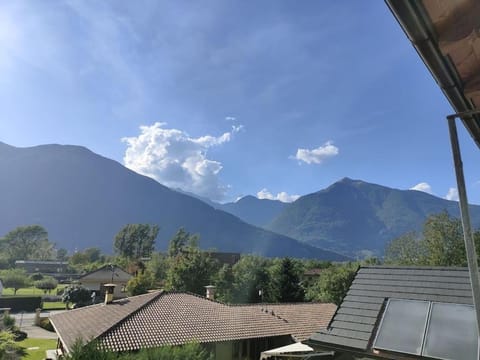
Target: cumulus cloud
[
  {"x": 423, "y": 186},
  {"x": 318, "y": 155},
  {"x": 282, "y": 196},
  {"x": 230, "y": 118},
  {"x": 177, "y": 160},
  {"x": 452, "y": 194}
]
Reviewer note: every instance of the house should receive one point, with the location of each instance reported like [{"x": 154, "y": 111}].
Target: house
[
  {"x": 311, "y": 276},
  {"x": 393, "y": 312},
  {"x": 108, "y": 274},
  {"x": 172, "y": 318},
  {"x": 46, "y": 267}
]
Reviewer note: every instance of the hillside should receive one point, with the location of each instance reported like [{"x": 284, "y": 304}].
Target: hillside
[
  {"x": 355, "y": 217},
  {"x": 83, "y": 200}
]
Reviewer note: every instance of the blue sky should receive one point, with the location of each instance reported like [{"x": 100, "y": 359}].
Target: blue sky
[{"x": 229, "y": 98}]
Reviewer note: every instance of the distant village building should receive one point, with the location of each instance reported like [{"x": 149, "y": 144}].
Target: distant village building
[
  {"x": 46, "y": 267},
  {"x": 228, "y": 258},
  {"x": 230, "y": 332},
  {"x": 108, "y": 274},
  {"x": 311, "y": 276}
]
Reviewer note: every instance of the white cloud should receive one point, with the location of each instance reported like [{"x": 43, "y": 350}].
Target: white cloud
[
  {"x": 282, "y": 196},
  {"x": 177, "y": 160},
  {"x": 423, "y": 186},
  {"x": 318, "y": 155},
  {"x": 452, "y": 194},
  {"x": 230, "y": 118}
]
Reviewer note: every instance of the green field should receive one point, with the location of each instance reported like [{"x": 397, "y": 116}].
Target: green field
[
  {"x": 47, "y": 305},
  {"x": 32, "y": 290},
  {"x": 42, "y": 344}
]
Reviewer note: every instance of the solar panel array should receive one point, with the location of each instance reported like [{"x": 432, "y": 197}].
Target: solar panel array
[{"x": 437, "y": 330}]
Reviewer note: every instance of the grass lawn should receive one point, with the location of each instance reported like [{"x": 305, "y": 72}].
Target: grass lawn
[
  {"x": 32, "y": 290},
  {"x": 42, "y": 344},
  {"x": 58, "y": 305}
]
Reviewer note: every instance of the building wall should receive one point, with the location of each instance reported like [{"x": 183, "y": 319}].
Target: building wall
[
  {"x": 223, "y": 350},
  {"x": 100, "y": 290}
]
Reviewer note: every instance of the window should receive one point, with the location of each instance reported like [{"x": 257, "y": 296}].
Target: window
[{"x": 437, "y": 330}]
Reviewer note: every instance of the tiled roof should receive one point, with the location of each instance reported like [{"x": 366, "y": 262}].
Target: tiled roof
[
  {"x": 105, "y": 272},
  {"x": 92, "y": 321},
  {"x": 304, "y": 318},
  {"x": 356, "y": 320},
  {"x": 159, "y": 319}
]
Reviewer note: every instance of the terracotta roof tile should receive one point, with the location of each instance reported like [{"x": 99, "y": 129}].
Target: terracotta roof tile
[{"x": 177, "y": 318}]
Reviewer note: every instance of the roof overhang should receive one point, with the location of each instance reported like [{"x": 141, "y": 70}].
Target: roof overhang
[{"x": 446, "y": 35}]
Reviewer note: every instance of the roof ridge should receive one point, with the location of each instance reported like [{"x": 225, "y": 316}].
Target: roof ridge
[
  {"x": 415, "y": 267},
  {"x": 103, "y": 267},
  {"x": 196, "y": 295}
]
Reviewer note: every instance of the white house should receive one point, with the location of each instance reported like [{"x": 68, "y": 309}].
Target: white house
[{"x": 108, "y": 274}]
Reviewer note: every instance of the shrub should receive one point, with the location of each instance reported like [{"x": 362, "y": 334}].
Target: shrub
[
  {"x": 19, "y": 335},
  {"x": 46, "y": 284},
  {"x": 36, "y": 277},
  {"x": 21, "y": 303},
  {"x": 7, "y": 344},
  {"x": 77, "y": 295},
  {"x": 8, "y": 321},
  {"x": 46, "y": 324}
]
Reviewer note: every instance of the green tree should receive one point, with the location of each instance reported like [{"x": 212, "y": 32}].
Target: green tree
[
  {"x": 45, "y": 250},
  {"x": 158, "y": 265},
  {"x": 141, "y": 283},
  {"x": 189, "y": 268},
  {"x": 443, "y": 240},
  {"x": 289, "y": 288},
  {"x": 88, "y": 259},
  {"x": 442, "y": 244},
  {"x": 135, "y": 241},
  {"x": 77, "y": 295},
  {"x": 92, "y": 351},
  {"x": 407, "y": 249},
  {"x": 47, "y": 284},
  {"x": 333, "y": 284},
  {"x": 224, "y": 280},
  {"x": 253, "y": 282},
  {"x": 9, "y": 346},
  {"x": 15, "y": 279},
  {"x": 23, "y": 242},
  {"x": 62, "y": 254},
  {"x": 180, "y": 241}
]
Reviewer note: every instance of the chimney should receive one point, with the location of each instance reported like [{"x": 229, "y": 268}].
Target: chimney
[
  {"x": 109, "y": 289},
  {"x": 210, "y": 292}
]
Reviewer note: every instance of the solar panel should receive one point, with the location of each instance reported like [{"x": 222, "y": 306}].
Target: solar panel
[
  {"x": 403, "y": 326},
  {"x": 435, "y": 330},
  {"x": 452, "y": 332}
]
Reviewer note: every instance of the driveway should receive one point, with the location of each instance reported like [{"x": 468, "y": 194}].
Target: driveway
[{"x": 25, "y": 321}]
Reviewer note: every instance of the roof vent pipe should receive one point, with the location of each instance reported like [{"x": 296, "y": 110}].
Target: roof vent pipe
[
  {"x": 109, "y": 290},
  {"x": 210, "y": 292}
]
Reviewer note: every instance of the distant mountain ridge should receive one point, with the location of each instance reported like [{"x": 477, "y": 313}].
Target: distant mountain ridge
[
  {"x": 252, "y": 210},
  {"x": 355, "y": 217},
  {"x": 83, "y": 199},
  {"x": 352, "y": 217}
]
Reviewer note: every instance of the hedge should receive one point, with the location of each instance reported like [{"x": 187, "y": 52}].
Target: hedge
[{"x": 21, "y": 303}]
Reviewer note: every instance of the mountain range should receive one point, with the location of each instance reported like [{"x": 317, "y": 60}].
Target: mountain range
[
  {"x": 352, "y": 217},
  {"x": 84, "y": 199}
]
